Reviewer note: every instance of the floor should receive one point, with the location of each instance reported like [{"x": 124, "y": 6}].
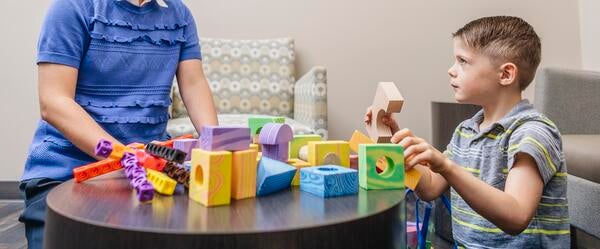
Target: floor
[{"x": 12, "y": 232}]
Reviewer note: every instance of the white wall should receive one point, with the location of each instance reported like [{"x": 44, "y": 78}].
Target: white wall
[
  {"x": 360, "y": 42},
  {"x": 590, "y": 34}
]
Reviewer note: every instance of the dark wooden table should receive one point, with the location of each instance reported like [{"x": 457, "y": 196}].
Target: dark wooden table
[{"x": 104, "y": 213}]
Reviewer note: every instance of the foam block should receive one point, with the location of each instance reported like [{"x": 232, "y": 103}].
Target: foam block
[
  {"x": 274, "y": 139},
  {"x": 329, "y": 152},
  {"x": 329, "y": 180},
  {"x": 273, "y": 176},
  {"x": 387, "y": 100},
  {"x": 354, "y": 162},
  {"x": 231, "y": 138},
  {"x": 210, "y": 177},
  {"x": 300, "y": 140},
  {"x": 257, "y": 123},
  {"x": 392, "y": 177},
  {"x": 186, "y": 145},
  {"x": 358, "y": 138},
  {"x": 243, "y": 174},
  {"x": 161, "y": 182},
  {"x": 298, "y": 164}
]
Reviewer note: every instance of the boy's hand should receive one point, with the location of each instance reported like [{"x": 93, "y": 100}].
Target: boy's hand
[
  {"x": 387, "y": 120},
  {"x": 418, "y": 151}
]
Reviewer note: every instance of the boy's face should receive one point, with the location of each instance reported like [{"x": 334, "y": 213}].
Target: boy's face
[{"x": 473, "y": 76}]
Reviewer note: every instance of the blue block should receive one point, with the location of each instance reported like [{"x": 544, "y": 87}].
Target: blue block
[
  {"x": 273, "y": 176},
  {"x": 329, "y": 180}
]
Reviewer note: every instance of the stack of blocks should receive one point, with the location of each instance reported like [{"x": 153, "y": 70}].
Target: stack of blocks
[
  {"x": 274, "y": 173},
  {"x": 224, "y": 166}
]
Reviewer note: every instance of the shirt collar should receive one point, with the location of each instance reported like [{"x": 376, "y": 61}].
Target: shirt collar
[
  {"x": 504, "y": 123},
  {"x": 160, "y": 3}
]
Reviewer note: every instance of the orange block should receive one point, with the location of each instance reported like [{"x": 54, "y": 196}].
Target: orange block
[
  {"x": 95, "y": 169},
  {"x": 243, "y": 174},
  {"x": 149, "y": 161},
  {"x": 358, "y": 138}
]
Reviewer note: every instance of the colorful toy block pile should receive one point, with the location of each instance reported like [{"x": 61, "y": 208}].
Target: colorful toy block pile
[{"x": 228, "y": 162}]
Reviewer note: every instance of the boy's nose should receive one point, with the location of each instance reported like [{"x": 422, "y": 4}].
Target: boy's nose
[{"x": 451, "y": 72}]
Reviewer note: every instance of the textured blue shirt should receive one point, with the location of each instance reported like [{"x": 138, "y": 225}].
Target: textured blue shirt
[{"x": 127, "y": 57}]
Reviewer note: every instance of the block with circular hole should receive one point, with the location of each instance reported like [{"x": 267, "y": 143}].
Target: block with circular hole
[
  {"x": 273, "y": 176},
  {"x": 329, "y": 152},
  {"x": 161, "y": 182},
  {"x": 256, "y": 123},
  {"x": 301, "y": 140},
  {"x": 298, "y": 164},
  {"x": 274, "y": 139},
  {"x": 390, "y": 178},
  {"x": 230, "y": 138},
  {"x": 243, "y": 174},
  {"x": 387, "y": 100},
  {"x": 210, "y": 177},
  {"x": 329, "y": 180}
]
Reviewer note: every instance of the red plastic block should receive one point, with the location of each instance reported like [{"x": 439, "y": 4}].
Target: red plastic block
[
  {"x": 149, "y": 161},
  {"x": 169, "y": 143},
  {"x": 95, "y": 169}
]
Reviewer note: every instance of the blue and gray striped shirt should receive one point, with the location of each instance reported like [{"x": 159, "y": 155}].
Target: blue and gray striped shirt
[{"x": 489, "y": 155}]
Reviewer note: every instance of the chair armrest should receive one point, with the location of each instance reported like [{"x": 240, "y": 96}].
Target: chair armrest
[{"x": 310, "y": 100}]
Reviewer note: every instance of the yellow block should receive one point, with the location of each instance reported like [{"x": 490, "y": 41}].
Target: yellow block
[
  {"x": 118, "y": 150},
  {"x": 358, "y": 138},
  {"x": 243, "y": 174},
  {"x": 210, "y": 177},
  {"x": 161, "y": 182},
  {"x": 255, "y": 147},
  {"x": 298, "y": 164},
  {"x": 411, "y": 178},
  {"x": 329, "y": 152}
]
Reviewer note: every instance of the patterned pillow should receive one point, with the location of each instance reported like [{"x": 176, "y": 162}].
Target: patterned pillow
[{"x": 247, "y": 76}]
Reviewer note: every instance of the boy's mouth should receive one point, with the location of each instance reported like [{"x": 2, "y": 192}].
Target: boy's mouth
[{"x": 453, "y": 85}]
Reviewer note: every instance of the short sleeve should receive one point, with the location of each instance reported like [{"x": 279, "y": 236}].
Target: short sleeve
[
  {"x": 542, "y": 142},
  {"x": 64, "y": 35},
  {"x": 191, "y": 47}
]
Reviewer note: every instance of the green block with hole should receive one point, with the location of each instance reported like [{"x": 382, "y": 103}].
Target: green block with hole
[
  {"x": 301, "y": 140},
  {"x": 256, "y": 123},
  {"x": 392, "y": 177}
]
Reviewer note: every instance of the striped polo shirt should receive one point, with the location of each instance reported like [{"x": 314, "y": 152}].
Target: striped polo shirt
[{"x": 489, "y": 155}]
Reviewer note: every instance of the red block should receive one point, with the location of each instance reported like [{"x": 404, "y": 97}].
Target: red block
[
  {"x": 169, "y": 143},
  {"x": 95, "y": 169},
  {"x": 149, "y": 161}
]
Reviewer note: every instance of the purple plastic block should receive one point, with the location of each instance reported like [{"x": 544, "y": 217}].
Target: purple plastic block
[
  {"x": 275, "y": 133},
  {"x": 279, "y": 152},
  {"x": 145, "y": 192},
  {"x": 186, "y": 145},
  {"x": 232, "y": 138},
  {"x": 103, "y": 148}
]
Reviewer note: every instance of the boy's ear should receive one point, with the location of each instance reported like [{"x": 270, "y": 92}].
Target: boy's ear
[{"x": 508, "y": 73}]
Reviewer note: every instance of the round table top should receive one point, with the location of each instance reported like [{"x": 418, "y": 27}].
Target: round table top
[{"x": 109, "y": 201}]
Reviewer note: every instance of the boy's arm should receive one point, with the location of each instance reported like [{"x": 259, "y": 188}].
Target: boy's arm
[
  {"x": 196, "y": 93},
  {"x": 431, "y": 185},
  {"x": 56, "y": 87},
  {"x": 510, "y": 210}
]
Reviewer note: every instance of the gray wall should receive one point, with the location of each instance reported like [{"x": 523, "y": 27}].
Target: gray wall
[{"x": 360, "y": 42}]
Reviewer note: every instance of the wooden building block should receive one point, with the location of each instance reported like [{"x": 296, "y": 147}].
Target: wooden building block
[
  {"x": 358, "y": 138},
  {"x": 298, "y": 164},
  {"x": 329, "y": 153},
  {"x": 161, "y": 182},
  {"x": 392, "y": 177},
  {"x": 186, "y": 145},
  {"x": 210, "y": 177},
  {"x": 230, "y": 138},
  {"x": 387, "y": 100},
  {"x": 274, "y": 139},
  {"x": 243, "y": 174},
  {"x": 256, "y": 123},
  {"x": 329, "y": 180},
  {"x": 94, "y": 169},
  {"x": 301, "y": 140},
  {"x": 273, "y": 176}
]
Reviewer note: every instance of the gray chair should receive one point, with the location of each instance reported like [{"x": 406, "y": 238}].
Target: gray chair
[{"x": 571, "y": 98}]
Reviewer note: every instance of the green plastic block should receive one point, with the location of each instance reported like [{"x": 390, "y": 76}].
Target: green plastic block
[
  {"x": 300, "y": 140},
  {"x": 392, "y": 177},
  {"x": 256, "y": 123}
]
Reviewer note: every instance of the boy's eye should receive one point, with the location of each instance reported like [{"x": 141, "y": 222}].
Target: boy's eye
[{"x": 461, "y": 60}]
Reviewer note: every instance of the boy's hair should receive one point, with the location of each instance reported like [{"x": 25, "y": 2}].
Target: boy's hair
[{"x": 505, "y": 38}]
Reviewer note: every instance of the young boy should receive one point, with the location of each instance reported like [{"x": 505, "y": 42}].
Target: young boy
[{"x": 504, "y": 166}]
